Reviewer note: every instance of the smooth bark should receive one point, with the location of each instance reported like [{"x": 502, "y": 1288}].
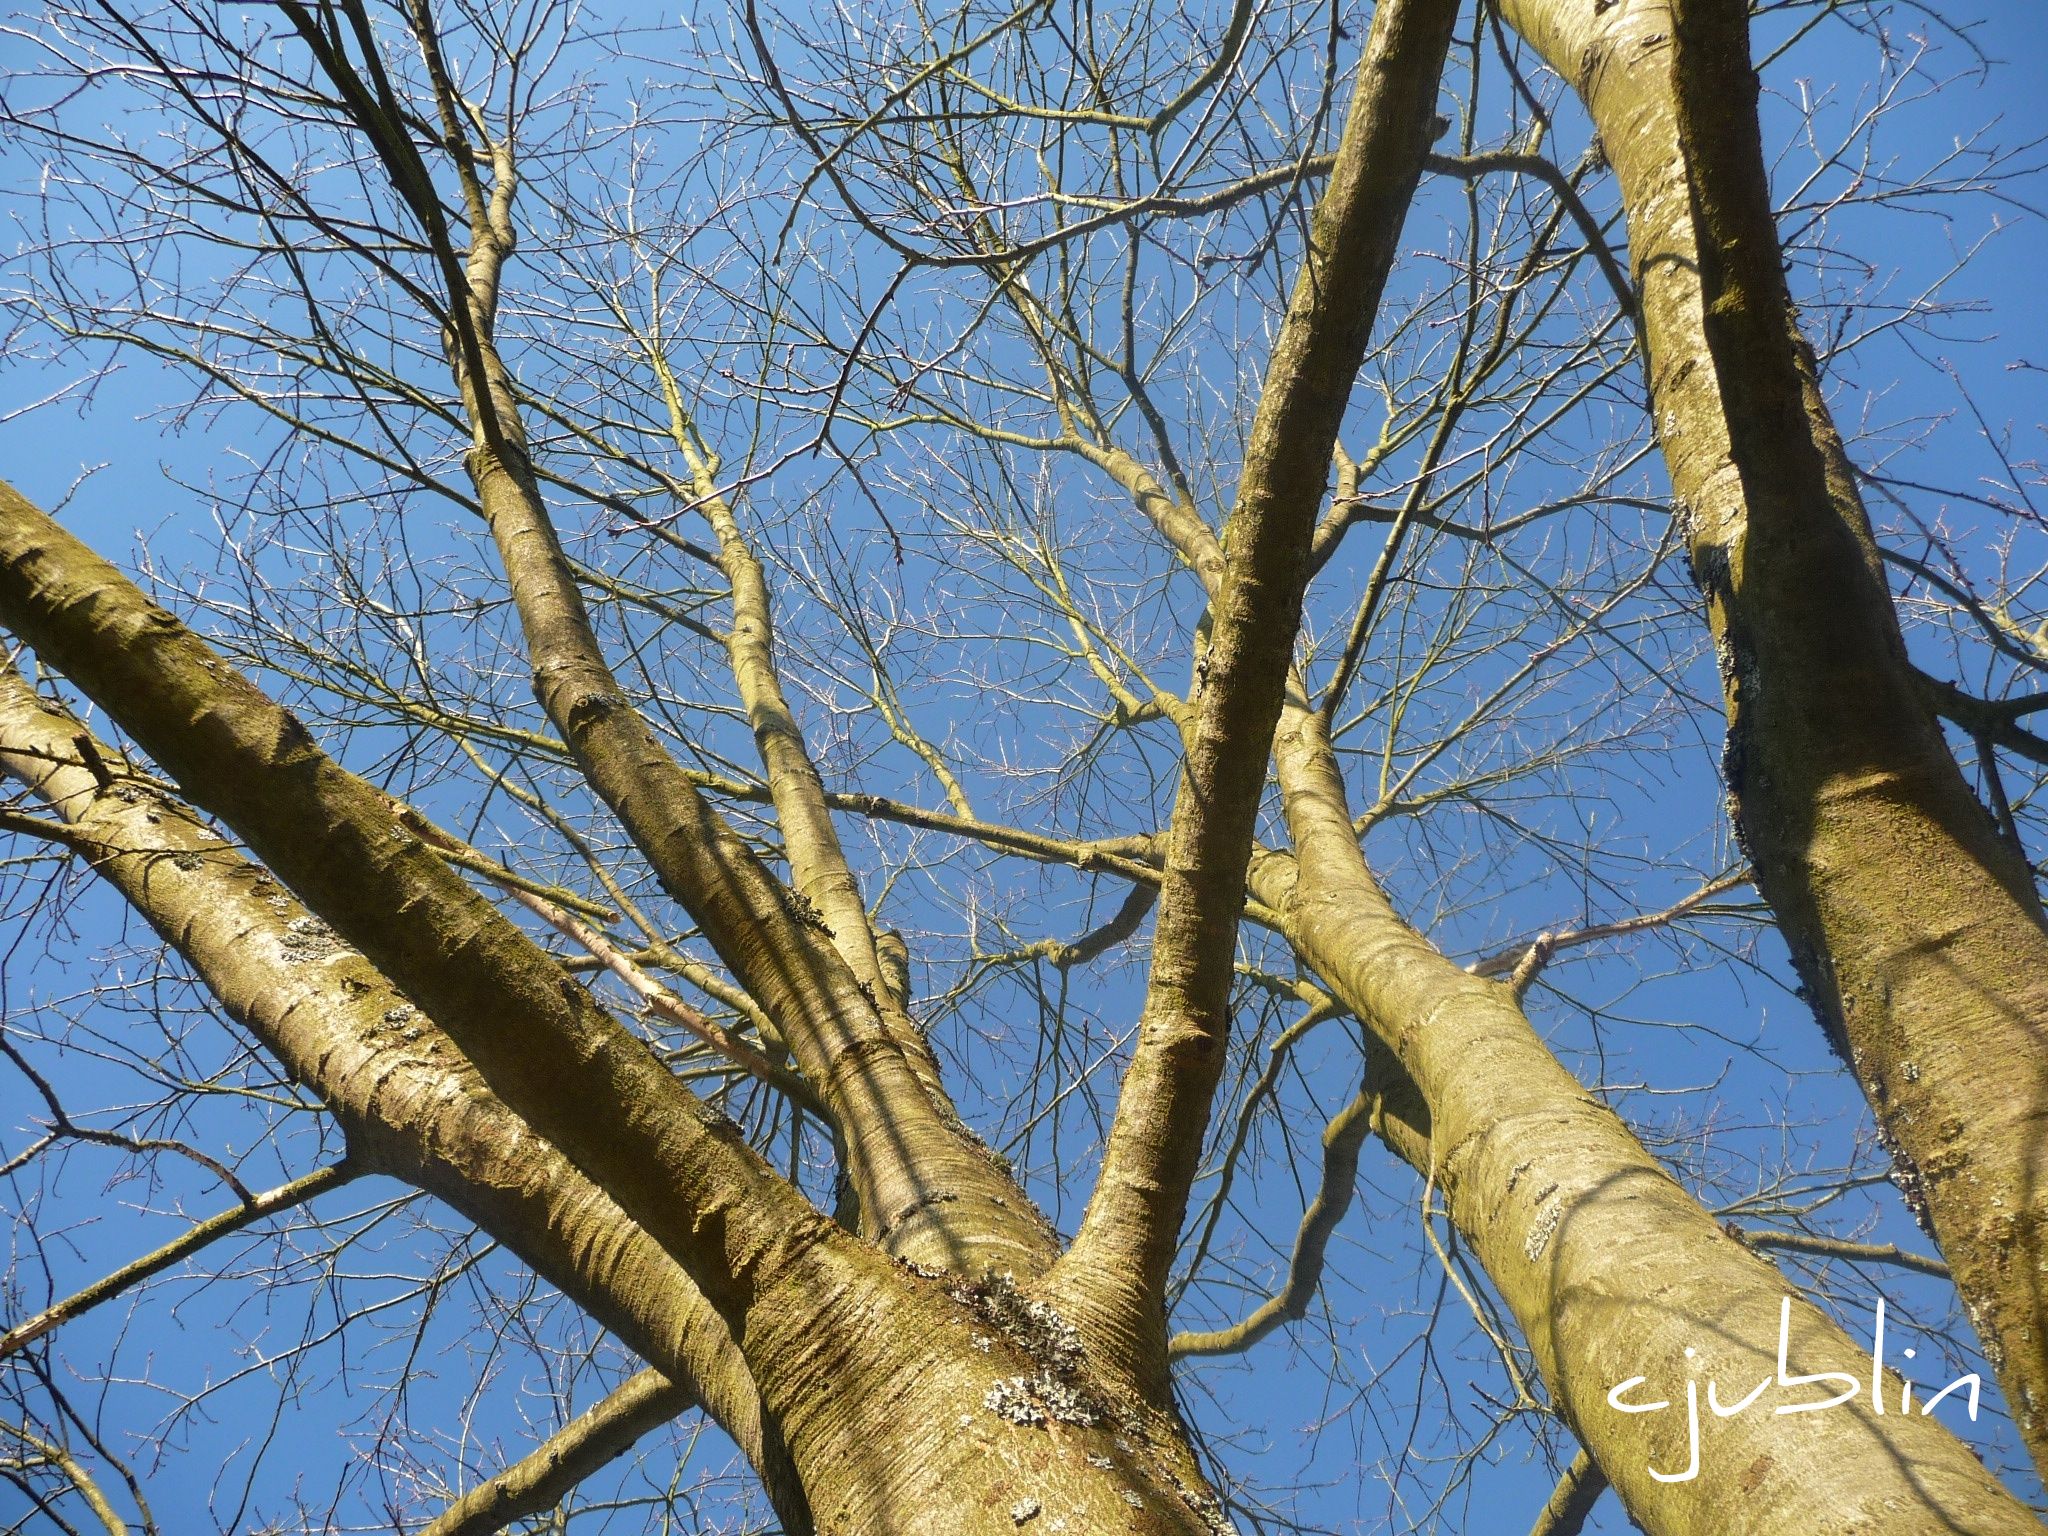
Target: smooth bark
[
  {"x": 894, "y": 1417},
  {"x": 1917, "y": 932},
  {"x": 1610, "y": 1268},
  {"x": 408, "y": 1101},
  {"x": 926, "y": 1186},
  {"x": 1132, "y": 1227}
]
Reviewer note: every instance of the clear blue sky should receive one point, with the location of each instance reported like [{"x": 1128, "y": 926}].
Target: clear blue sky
[{"x": 1682, "y": 1026}]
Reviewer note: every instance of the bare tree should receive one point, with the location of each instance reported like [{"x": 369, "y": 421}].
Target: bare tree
[{"x": 875, "y": 710}]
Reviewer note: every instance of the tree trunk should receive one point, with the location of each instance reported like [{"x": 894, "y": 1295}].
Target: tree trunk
[
  {"x": 904, "y": 1401},
  {"x": 1611, "y": 1269},
  {"x": 1917, "y": 932}
]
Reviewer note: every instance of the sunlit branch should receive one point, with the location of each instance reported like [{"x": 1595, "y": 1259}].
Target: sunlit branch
[
  {"x": 88, "y": 1489},
  {"x": 1522, "y": 962},
  {"x": 1816, "y": 1246},
  {"x": 254, "y": 1209},
  {"x": 541, "y": 1479}
]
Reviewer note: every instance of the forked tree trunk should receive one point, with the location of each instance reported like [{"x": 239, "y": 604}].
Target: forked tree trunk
[
  {"x": 878, "y": 1397},
  {"x": 899, "y": 1401}
]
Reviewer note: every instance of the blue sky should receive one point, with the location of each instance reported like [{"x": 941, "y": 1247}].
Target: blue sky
[{"x": 1649, "y": 1020}]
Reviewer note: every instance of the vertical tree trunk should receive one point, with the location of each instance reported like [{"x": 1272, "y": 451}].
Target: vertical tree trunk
[
  {"x": 1116, "y": 1273},
  {"x": 1917, "y": 932}
]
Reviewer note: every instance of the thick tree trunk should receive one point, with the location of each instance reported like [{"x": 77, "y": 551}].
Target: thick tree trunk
[
  {"x": 1611, "y": 1269},
  {"x": 906, "y": 1402},
  {"x": 1917, "y": 932}
]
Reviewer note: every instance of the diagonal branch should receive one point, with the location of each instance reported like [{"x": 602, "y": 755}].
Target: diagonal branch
[
  {"x": 410, "y": 1103},
  {"x": 1571, "y": 1502},
  {"x": 542, "y": 1043},
  {"x": 187, "y": 1243},
  {"x": 1384, "y": 1103},
  {"x": 1555, "y": 1196},
  {"x": 934, "y": 1191},
  {"x": 1523, "y": 961},
  {"x": 544, "y": 905},
  {"x": 538, "y": 1481},
  {"x": 1114, "y": 1277}
]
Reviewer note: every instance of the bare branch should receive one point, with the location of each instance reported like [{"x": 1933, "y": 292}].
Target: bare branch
[
  {"x": 252, "y": 1210},
  {"x": 599, "y": 1435}
]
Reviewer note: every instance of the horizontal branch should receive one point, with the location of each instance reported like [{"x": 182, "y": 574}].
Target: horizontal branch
[
  {"x": 1989, "y": 720},
  {"x": 1839, "y": 1248}
]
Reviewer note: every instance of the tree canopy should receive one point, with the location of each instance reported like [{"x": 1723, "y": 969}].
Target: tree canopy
[{"x": 889, "y": 769}]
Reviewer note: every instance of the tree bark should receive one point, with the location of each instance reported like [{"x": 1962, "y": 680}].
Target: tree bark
[
  {"x": 408, "y": 1101},
  {"x": 926, "y": 1185},
  {"x": 907, "y": 1403},
  {"x": 1917, "y": 932},
  {"x": 1611, "y": 1269},
  {"x": 1116, "y": 1272}
]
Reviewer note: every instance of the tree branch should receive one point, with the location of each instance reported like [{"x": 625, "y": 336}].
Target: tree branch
[
  {"x": 1405, "y": 1127},
  {"x": 935, "y": 1191},
  {"x": 538, "y": 1481},
  {"x": 1115, "y": 1274},
  {"x": 409, "y": 1101},
  {"x": 1992, "y": 720},
  {"x": 258, "y": 1206},
  {"x": 541, "y": 1041},
  {"x": 1839, "y": 1248},
  {"x": 1571, "y": 1502},
  {"x": 1522, "y": 962}
]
